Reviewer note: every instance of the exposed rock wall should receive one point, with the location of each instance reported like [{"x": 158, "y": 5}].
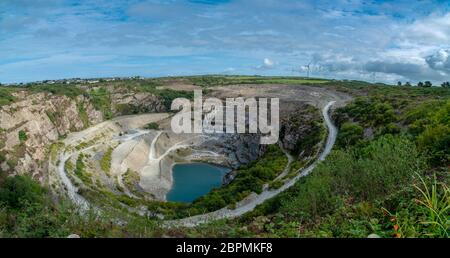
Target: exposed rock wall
[
  {"x": 30, "y": 125},
  {"x": 132, "y": 103},
  {"x": 42, "y": 118},
  {"x": 301, "y": 129}
]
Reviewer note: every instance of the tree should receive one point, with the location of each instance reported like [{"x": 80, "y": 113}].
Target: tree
[
  {"x": 420, "y": 84},
  {"x": 428, "y": 84},
  {"x": 399, "y": 83},
  {"x": 349, "y": 134},
  {"x": 408, "y": 84},
  {"x": 445, "y": 85}
]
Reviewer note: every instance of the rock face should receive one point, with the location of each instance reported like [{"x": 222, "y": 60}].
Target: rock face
[
  {"x": 30, "y": 125},
  {"x": 240, "y": 149},
  {"x": 300, "y": 132},
  {"x": 133, "y": 103},
  {"x": 300, "y": 129}
]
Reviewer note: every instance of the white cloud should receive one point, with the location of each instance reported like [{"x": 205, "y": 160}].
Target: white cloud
[
  {"x": 345, "y": 39},
  {"x": 267, "y": 64},
  {"x": 434, "y": 29}
]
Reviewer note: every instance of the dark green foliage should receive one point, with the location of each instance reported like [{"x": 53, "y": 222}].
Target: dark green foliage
[
  {"x": 152, "y": 126},
  {"x": 387, "y": 92},
  {"x": 2, "y": 157},
  {"x": 27, "y": 210},
  {"x": 22, "y": 136},
  {"x": 364, "y": 174},
  {"x": 430, "y": 124},
  {"x": 349, "y": 134},
  {"x": 17, "y": 190},
  {"x": 169, "y": 95},
  {"x": 370, "y": 111},
  {"x": 80, "y": 170}
]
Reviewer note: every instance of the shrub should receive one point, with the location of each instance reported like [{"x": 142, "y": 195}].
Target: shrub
[
  {"x": 152, "y": 126},
  {"x": 169, "y": 95},
  {"x": 363, "y": 174},
  {"x": 18, "y": 190},
  {"x": 349, "y": 134},
  {"x": 22, "y": 136}
]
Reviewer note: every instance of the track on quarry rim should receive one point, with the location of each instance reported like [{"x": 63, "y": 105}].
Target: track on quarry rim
[{"x": 248, "y": 205}]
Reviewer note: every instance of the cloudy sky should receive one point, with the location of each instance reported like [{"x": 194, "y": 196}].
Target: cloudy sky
[{"x": 354, "y": 39}]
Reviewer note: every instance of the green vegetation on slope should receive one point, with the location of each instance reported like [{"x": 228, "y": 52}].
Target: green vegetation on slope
[
  {"x": 377, "y": 188},
  {"x": 5, "y": 96},
  {"x": 57, "y": 89},
  {"x": 169, "y": 95},
  {"x": 105, "y": 162},
  {"x": 28, "y": 210},
  {"x": 428, "y": 123},
  {"x": 101, "y": 99}
]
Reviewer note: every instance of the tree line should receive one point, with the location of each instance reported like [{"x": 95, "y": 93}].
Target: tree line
[{"x": 425, "y": 84}]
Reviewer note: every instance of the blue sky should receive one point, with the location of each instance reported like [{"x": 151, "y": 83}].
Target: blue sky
[{"x": 353, "y": 39}]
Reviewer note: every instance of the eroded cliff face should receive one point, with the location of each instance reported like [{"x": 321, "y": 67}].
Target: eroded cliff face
[
  {"x": 301, "y": 129},
  {"x": 35, "y": 121},
  {"x": 132, "y": 103}
]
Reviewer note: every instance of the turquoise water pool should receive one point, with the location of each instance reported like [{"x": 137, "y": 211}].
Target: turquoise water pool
[{"x": 192, "y": 180}]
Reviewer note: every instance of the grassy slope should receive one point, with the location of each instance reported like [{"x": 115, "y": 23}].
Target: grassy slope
[{"x": 5, "y": 96}]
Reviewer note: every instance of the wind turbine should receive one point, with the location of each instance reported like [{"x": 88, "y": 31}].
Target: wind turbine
[
  {"x": 308, "y": 67},
  {"x": 302, "y": 68}
]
